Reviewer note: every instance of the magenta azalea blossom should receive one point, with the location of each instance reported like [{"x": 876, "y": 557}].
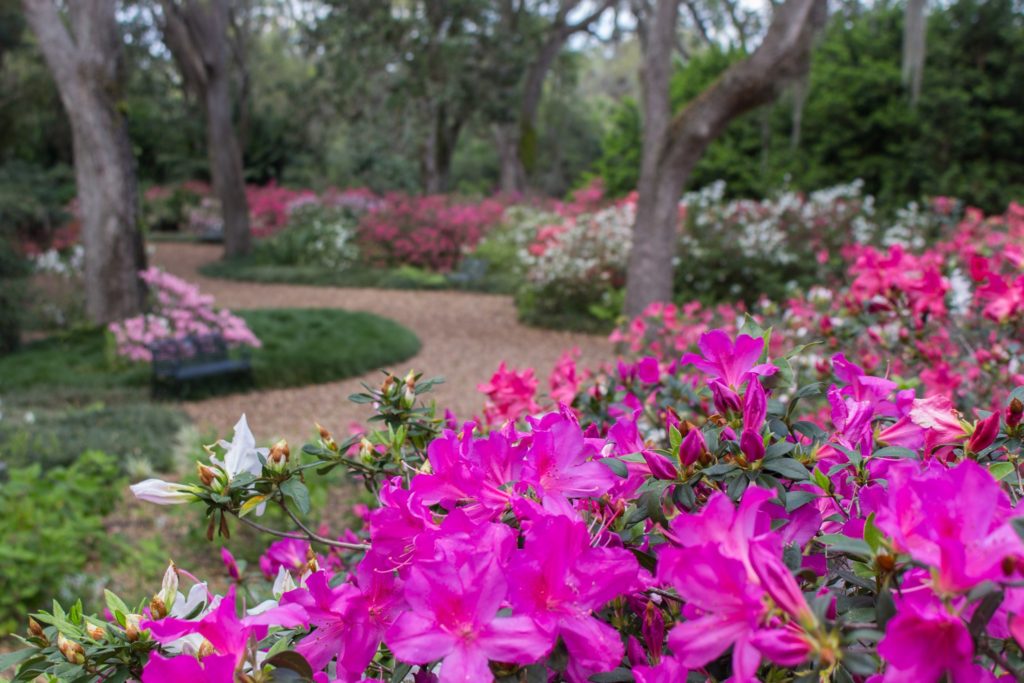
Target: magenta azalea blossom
[
  {"x": 727, "y": 361},
  {"x": 927, "y": 642},
  {"x": 559, "y": 580},
  {"x": 350, "y": 620},
  {"x": 560, "y": 464},
  {"x": 213, "y": 669},
  {"x": 290, "y": 553},
  {"x": 228, "y": 633},
  {"x": 955, "y": 520},
  {"x": 454, "y": 618},
  {"x": 395, "y": 526}
]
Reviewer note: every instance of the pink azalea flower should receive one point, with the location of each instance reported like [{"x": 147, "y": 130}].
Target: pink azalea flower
[
  {"x": 350, "y": 620},
  {"x": 927, "y": 642},
  {"x": 954, "y": 520},
  {"x": 669, "y": 670},
  {"x": 290, "y": 553},
  {"x": 228, "y": 633},
  {"x": 560, "y": 464},
  {"x": 558, "y": 580},
  {"x": 212, "y": 669},
  {"x": 730, "y": 362},
  {"x": 453, "y": 617},
  {"x": 510, "y": 394}
]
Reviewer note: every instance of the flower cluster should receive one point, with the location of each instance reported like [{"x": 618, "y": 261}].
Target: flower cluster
[
  {"x": 704, "y": 518},
  {"x": 178, "y": 310},
  {"x": 431, "y": 232}
]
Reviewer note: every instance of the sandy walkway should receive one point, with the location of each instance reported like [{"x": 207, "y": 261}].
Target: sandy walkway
[{"x": 464, "y": 336}]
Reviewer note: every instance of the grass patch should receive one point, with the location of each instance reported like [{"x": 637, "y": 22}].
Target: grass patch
[
  {"x": 256, "y": 269},
  {"x": 300, "y": 346}
]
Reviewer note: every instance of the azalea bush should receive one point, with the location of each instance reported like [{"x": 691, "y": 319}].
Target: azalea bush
[
  {"x": 318, "y": 235},
  {"x": 430, "y": 232},
  {"x": 946, "y": 316},
  {"x": 179, "y": 310},
  {"x": 707, "y": 518}
]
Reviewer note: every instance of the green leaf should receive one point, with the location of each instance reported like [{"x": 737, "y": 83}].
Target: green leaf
[
  {"x": 289, "y": 659},
  {"x": 894, "y": 452},
  {"x": 872, "y": 534},
  {"x": 779, "y": 449},
  {"x": 251, "y": 504},
  {"x": 297, "y": 491},
  {"x": 797, "y": 499},
  {"x": 114, "y": 603},
  {"x": 616, "y": 466},
  {"x": 719, "y": 470},
  {"x": 401, "y": 671},
  {"x": 846, "y": 545},
  {"x": 1001, "y": 470},
  {"x": 788, "y": 468},
  {"x": 14, "y": 658}
]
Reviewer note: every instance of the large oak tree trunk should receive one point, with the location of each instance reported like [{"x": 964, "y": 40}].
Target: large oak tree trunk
[
  {"x": 197, "y": 32},
  {"x": 85, "y": 64},
  {"x": 673, "y": 146},
  {"x": 225, "y": 156}
]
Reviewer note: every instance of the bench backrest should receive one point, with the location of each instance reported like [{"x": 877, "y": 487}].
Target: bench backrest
[{"x": 191, "y": 350}]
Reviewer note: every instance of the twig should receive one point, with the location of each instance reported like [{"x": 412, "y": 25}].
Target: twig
[
  {"x": 999, "y": 659},
  {"x": 302, "y": 536},
  {"x": 313, "y": 536},
  {"x": 666, "y": 594}
]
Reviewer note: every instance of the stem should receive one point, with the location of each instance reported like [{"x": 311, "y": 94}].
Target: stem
[
  {"x": 999, "y": 659},
  {"x": 313, "y": 536},
  {"x": 666, "y": 594},
  {"x": 305, "y": 536}
]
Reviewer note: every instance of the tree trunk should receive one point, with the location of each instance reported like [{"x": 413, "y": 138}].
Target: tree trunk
[
  {"x": 197, "y": 34},
  {"x": 512, "y": 174},
  {"x": 915, "y": 28},
  {"x": 226, "y": 168},
  {"x": 671, "y": 150},
  {"x": 85, "y": 66}
]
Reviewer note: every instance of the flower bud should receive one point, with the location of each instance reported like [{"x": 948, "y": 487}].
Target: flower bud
[
  {"x": 168, "y": 587},
  {"x": 95, "y": 632},
  {"x": 985, "y": 433},
  {"x": 206, "y": 649},
  {"x": 157, "y": 607},
  {"x": 366, "y": 451},
  {"x": 692, "y": 447},
  {"x": 279, "y": 455},
  {"x": 131, "y": 627},
  {"x": 1014, "y": 412},
  {"x": 207, "y": 474},
  {"x": 72, "y": 651},
  {"x": 35, "y": 630},
  {"x": 389, "y": 382},
  {"x": 325, "y": 437}
]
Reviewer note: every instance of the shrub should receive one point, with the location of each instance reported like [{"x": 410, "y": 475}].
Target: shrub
[
  {"x": 13, "y": 270},
  {"x": 427, "y": 232},
  {"x": 318, "y": 236},
  {"x": 178, "y": 310},
  {"x": 51, "y": 529}
]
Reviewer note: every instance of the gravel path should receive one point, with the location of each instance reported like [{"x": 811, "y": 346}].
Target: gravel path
[{"x": 464, "y": 336}]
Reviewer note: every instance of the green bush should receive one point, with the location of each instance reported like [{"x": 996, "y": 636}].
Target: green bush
[
  {"x": 13, "y": 269},
  {"x": 51, "y": 529},
  {"x": 137, "y": 432},
  {"x": 317, "y": 237}
]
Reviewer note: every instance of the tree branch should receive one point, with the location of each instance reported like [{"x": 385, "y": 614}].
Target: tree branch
[{"x": 307, "y": 535}]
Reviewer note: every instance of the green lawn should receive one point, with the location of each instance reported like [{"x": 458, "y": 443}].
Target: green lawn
[
  {"x": 300, "y": 346},
  {"x": 256, "y": 269}
]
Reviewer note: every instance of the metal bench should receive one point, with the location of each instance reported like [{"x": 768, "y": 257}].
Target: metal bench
[
  {"x": 176, "y": 362},
  {"x": 471, "y": 271}
]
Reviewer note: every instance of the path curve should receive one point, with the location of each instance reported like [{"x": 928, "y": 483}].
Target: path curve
[{"x": 464, "y": 337}]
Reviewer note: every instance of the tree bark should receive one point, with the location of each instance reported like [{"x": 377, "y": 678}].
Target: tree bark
[
  {"x": 915, "y": 29},
  {"x": 197, "y": 34},
  {"x": 672, "y": 146},
  {"x": 512, "y": 139},
  {"x": 86, "y": 67}
]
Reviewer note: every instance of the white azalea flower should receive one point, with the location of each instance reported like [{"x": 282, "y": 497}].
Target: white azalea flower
[
  {"x": 162, "y": 492},
  {"x": 242, "y": 454}
]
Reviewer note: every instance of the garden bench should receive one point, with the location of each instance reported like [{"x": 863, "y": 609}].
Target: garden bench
[
  {"x": 471, "y": 271},
  {"x": 181, "y": 360}
]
